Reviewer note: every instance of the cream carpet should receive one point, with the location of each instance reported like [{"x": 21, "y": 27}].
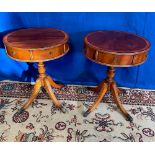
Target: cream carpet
[{"x": 43, "y": 122}]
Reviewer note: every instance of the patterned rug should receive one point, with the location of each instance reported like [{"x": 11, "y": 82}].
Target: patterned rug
[{"x": 43, "y": 122}]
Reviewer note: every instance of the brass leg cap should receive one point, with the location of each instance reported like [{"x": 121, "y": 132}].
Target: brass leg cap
[
  {"x": 129, "y": 118},
  {"x": 20, "y": 111},
  {"x": 85, "y": 114},
  {"x": 63, "y": 109}
]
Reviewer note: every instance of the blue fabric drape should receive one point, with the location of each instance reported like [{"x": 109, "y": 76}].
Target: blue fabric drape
[{"x": 74, "y": 68}]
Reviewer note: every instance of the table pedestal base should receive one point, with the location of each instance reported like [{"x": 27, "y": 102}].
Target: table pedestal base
[
  {"x": 103, "y": 87},
  {"x": 46, "y": 82}
]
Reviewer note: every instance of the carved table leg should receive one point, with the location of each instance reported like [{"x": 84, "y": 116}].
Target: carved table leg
[
  {"x": 53, "y": 84},
  {"x": 98, "y": 88},
  {"x": 51, "y": 95},
  {"x": 114, "y": 91},
  {"x": 98, "y": 100},
  {"x": 35, "y": 92}
]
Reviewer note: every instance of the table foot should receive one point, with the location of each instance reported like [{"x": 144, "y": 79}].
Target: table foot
[
  {"x": 62, "y": 108},
  {"x": 85, "y": 114},
  {"x": 21, "y": 110},
  {"x": 129, "y": 118}
]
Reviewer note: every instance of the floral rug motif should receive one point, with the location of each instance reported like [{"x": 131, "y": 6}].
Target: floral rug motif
[{"x": 43, "y": 122}]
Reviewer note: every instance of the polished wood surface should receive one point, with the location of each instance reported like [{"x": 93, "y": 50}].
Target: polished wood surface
[
  {"x": 115, "y": 48},
  {"x": 36, "y": 44}
]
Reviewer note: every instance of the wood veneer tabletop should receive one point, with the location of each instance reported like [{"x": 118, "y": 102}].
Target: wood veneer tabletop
[
  {"x": 35, "y": 38},
  {"x": 116, "y": 42}
]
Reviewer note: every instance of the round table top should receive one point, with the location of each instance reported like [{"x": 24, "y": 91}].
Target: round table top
[
  {"x": 36, "y": 44},
  {"x": 35, "y": 38},
  {"x": 116, "y": 42}
]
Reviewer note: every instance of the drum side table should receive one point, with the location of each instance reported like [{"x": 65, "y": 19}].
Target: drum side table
[
  {"x": 38, "y": 45},
  {"x": 114, "y": 49}
]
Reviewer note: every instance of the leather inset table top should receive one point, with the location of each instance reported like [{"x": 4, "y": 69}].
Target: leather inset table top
[
  {"x": 35, "y": 38},
  {"x": 116, "y": 42}
]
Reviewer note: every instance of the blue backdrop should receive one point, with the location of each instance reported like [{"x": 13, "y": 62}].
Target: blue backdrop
[{"x": 74, "y": 68}]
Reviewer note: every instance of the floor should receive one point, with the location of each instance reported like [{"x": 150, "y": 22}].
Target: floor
[{"x": 43, "y": 122}]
